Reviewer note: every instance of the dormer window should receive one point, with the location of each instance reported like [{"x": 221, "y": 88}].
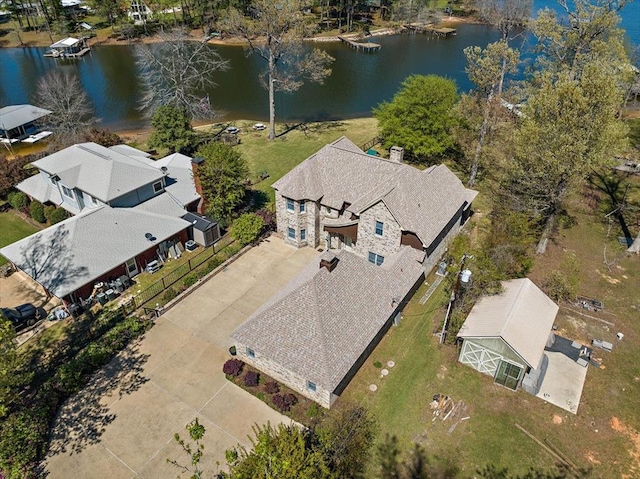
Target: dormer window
[
  {"x": 67, "y": 192},
  {"x": 157, "y": 187},
  {"x": 54, "y": 179}
]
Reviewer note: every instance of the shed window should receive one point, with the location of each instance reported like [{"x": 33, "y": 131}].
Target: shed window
[
  {"x": 251, "y": 353},
  {"x": 157, "y": 187},
  {"x": 290, "y": 205},
  {"x": 375, "y": 258},
  {"x": 303, "y": 206},
  {"x": 311, "y": 386},
  {"x": 379, "y": 228},
  {"x": 291, "y": 233}
]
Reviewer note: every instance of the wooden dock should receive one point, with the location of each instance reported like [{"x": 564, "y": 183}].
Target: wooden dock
[
  {"x": 442, "y": 32},
  {"x": 361, "y": 46}
]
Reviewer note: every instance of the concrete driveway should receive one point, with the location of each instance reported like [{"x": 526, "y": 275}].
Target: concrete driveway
[{"x": 122, "y": 425}]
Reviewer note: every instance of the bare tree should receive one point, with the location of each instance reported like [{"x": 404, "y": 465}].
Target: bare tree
[
  {"x": 72, "y": 113},
  {"x": 275, "y": 33},
  {"x": 177, "y": 72},
  {"x": 505, "y": 15}
]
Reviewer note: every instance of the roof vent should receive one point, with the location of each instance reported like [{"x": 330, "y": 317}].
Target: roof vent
[
  {"x": 150, "y": 237},
  {"x": 164, "y": 170},
  {"x": 330, "y": 264}
]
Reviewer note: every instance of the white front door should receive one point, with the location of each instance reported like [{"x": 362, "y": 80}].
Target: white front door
[{"x": 132, "y": 267}]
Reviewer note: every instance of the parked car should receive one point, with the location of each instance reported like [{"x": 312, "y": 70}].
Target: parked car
[
  {"x": 23, "y": 316},
  {"x": 259, "y": 126},
  {"x": 232, "y": 129}
]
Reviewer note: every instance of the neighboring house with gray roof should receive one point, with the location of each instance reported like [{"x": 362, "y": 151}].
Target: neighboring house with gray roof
[
  {"x": 504, "y": 335},
  {"x": 383, "y": 224},
  {"x": 343, "y": 198},
  {"x": 128, "y": 210}
]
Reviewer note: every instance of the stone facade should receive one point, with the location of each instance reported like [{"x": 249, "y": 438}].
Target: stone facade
[
  {"x": 278, "y": 372},
  {"x": 368, "y": 241},
  {"x": 306, "y": 220}
]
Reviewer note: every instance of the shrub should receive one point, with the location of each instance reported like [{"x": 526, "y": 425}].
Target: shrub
[
  {"x": 57, "y": 215},
  {"x": 18, "y": 200},
  {"x": 169, "y": 295},
  {"x": 251, "y": 379},
  {"x": 233, "y": 367},
  {"x": 272, "y": 387},
  {"x": 284, "y": 402},
  {"x": 213, "y": 263},
  {"x": 190, "y": 280},
  {"x": 268, "y": 217},
  {"x": 37, "y": 211},
  {"x": 247, "y": 228},
  {"x": 313, "y": 411},
  {"x": 377, "y": 364},
  {"x": 48, "y": 211}
]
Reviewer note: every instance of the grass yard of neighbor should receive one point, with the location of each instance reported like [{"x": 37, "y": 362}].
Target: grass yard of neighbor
[{"x": 12, "y": 229}]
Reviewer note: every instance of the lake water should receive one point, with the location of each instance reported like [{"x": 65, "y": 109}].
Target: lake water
[{"x": 359, "y": 82}]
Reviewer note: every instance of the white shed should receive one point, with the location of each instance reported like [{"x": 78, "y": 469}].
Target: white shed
[{"x": 504, "y": 335}]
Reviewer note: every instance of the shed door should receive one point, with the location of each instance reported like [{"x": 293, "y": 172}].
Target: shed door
[
  {"x": 480, "y": 358},
  {"x": 508, "y": 375}
]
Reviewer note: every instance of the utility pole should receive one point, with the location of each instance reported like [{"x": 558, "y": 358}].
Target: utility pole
[{"x": 454, "y": 296}]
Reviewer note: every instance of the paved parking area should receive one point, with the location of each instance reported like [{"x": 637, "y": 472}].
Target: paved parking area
[{"x": 122, "y": 425}]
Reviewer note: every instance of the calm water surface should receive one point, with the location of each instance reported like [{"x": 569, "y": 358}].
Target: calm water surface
[{"x": 359, "y": 81}]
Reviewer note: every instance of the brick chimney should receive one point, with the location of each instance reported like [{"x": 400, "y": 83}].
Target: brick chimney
[
  {"x": 396, "y": 154},
  {"x": 195, "y": 164}
]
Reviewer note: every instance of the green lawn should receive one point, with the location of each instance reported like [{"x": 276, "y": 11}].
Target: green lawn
[
  {"x": 12, "y": 229},
  {"x": 279, "y": 156}
]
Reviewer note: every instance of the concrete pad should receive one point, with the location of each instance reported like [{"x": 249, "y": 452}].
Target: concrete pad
[
  {"x": 198, "y": 366},
  {"x": 145, "y": 421},
  {"x": 562, "y": 382},
  {"x": 255, "y": 297},
  {"x": 222, "y": 327},
  {"x": 159, "y": 343},
  {"x": 189, "y": 314},
  {"x": 215, "y": 442},
  {"x": 223, "y": 409},
  {"x": 95, "y": 462}
]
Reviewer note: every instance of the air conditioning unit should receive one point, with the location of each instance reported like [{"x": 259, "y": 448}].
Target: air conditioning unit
[{"x": 190, "y": 245}]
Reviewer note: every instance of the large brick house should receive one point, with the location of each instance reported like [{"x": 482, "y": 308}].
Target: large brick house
[
  {"x": 382, "y": 224},
  {"x": 343, "y": 198}
]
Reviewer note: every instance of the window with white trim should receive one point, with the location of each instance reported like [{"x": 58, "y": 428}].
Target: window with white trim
[
  {"x": 303, "y": 206},
  {"x": 290, "y": 205},
  {"x": 303, "y": 235},
  {"x": 157, "y": 187},
  {"x": 291, "y": 233},
  {"x": 311, "y": 386},
  {"x": 251, "y": 353},
  {"x": 379, "y": 228},
  {"x": 375, "y": 258},
  {"x": 67, "y": 192}
]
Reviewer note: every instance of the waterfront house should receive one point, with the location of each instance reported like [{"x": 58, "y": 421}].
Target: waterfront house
[
  {"x": 382, "y": 224},
  {"x": 128, "y": 210}
]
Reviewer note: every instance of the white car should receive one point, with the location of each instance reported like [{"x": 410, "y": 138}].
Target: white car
[
  {"x": 232, "y": 129},
  {"x": 259, "y": 127}
]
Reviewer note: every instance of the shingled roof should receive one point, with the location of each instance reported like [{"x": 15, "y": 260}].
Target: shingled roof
[
  {"x": 422, "y": 201},
  {"x": 321, "y": 322},
  {"x": 522, "y": 315}
]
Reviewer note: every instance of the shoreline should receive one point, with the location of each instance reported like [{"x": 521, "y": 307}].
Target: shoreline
[{"x": 230, "y": 40}]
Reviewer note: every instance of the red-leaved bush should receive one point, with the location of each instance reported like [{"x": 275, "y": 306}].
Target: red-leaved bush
[{"x": 233, "y": 367}]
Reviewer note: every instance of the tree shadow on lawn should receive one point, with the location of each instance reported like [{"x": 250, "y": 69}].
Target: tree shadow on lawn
[{"x": 83, "y": 418}]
